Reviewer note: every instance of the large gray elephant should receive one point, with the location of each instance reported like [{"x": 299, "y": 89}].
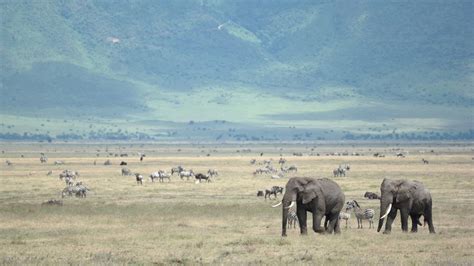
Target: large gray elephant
[
  {"x": 411, "y": 198},
  {"x": 321, "y": 197}
]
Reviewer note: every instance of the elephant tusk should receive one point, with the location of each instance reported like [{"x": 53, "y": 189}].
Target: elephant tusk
[
  {"x": 276, "y": 205},
  {"x": 388, "y": 211},
  {"x": 291, "y": 205}
]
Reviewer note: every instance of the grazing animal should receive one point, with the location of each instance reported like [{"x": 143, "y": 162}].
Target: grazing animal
[
  {"x": 371, "y": 195},
  {"x": 367, "y": 214},
  {"x": 58, "y": 162},
  {"x": 260, "y": 193},
  {"x": 126, "y": 171},
  {"x": 123, "y": 163},
  {"x": 177, "y": 170},
  {"x": 253, "y": 161},
  {"x": 186, "y": 174},
  {"x": 292, "y": 218},
  {"x": 201, "y": 177},
  {"x": 425, "y": 161},
  {"x": 8, "y": 163},
  {"x": 68, "y": 173},
  {"x": 344, "y": 216},
  {"x": 273, "y": 191},
  {"x": 49, "y": 173},
  {"x": 78, "y": 190},
  {"x": 339, "y": 172},
  {"x": 43, "y": 158},
  {"x": 292, "y": 168},
  {"x": 52, "y": 202},
  {"x": 161, "y": 175},
  {"x": 212, "y": 172},
  {"x": 282, "y": 161},
  {"x": 139, "y": 179},
  {"x": 108, "y": 162}
]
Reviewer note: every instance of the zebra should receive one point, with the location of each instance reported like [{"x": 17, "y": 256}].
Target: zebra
[
  {"x": 126, "y": 171},
  {"x": 161, "y": 175},
  {"x": 186, "y": 174},
  {"x": 339, "y": 172},
  {"x": 367, "y": 214},
  {"x": 425, "y": 161},
  {"x": 177, "y": 170},
  {"x": 212, "y": 172},
  {"x": 292, "y": 218},
  {"x": 344, "y": 216},
  {"x": 164, "y": 175},
  {"x": 253, "y": 161}
]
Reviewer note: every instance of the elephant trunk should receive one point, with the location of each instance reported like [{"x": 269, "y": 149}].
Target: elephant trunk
[{"x": 385, "y": 207}]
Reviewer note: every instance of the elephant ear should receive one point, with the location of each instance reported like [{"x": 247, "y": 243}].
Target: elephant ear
[
  {"x": 404, "y": 192},
  {"x": 310, "y": 192}
]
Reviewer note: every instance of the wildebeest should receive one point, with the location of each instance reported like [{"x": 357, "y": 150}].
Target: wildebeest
[
  {"x": 123, "y": 163},
  {"x": 201, "y": 177},
  {"x": 425, "y": 161},
  {"x": 108, "y": 162},
  {"x": 371, "y": 195},
  {"x": 260, "y": 193},
  {"x": 273, "y": 191},
  {"x": 126, "y": 171}
]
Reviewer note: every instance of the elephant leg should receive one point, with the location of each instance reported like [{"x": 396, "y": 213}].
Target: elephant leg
[
  {"x": 301, "y": 213},
  {"x": 326, "y": 222},
  {"x": 414, "y": 222},
  {"x": 429, "y": 218},
  {"x": 317, "y": 217},
  {"x": 333, "y": 223},
  {"x": 390, "y": 218},
  {"x": 404, "y": 218}
]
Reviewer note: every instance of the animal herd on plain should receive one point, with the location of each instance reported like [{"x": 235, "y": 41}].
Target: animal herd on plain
[{"x": 323, "y": 197}]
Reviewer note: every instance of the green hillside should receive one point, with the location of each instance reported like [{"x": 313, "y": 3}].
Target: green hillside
[{"x": 353, "y": 67}]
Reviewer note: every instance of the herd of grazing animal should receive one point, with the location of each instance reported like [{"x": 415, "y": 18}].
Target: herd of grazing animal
[{"x": 410, "y": 197}]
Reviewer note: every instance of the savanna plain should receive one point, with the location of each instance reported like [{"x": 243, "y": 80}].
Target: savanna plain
[{"x": 223, "y": 222}]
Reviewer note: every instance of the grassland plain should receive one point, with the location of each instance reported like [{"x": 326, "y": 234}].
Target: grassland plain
[{"x": 222, "y": 222}]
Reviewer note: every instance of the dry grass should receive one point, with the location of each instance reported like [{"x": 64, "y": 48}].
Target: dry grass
[{"x": 221, "y": 222}]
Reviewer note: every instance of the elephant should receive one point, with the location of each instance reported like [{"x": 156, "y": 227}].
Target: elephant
[
  {"x": 321, "y": 197},
  {"x": 411, "y": 198}
]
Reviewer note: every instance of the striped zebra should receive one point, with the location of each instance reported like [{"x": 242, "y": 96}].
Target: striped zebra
[
  {"x": 292, "y": 218},
  {"x": 344, "y": 216},
  {"x": 367, "y": 214}
]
